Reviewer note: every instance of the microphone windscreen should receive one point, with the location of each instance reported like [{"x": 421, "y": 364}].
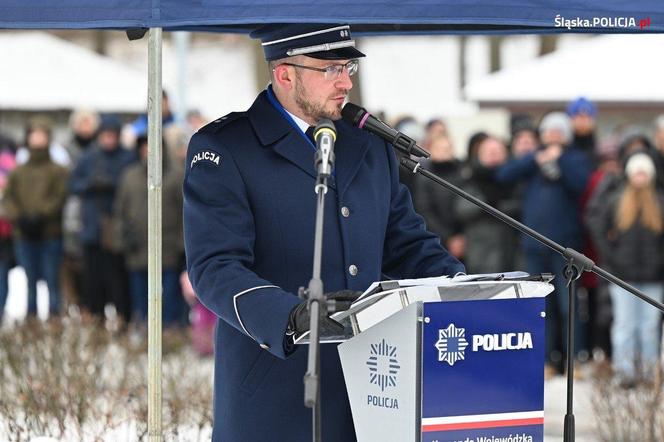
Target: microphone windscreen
[
  {"x": 325, "y": 123},
  {"x": 352, "y": 113}
]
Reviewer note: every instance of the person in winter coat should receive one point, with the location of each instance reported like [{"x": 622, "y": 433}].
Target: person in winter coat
[
  {"x": 409, "y": 125},
  {"x": 490, "y": 243},
  {"x": 34, "y": 198},
  {"x": 130, "y": 216},
  {"x": 629, "y": 234},
  {"x": 7, "y": 164},
  {"x": 583, "y": 114},
  {"x": 632, "y": 140},
  {"x": 555, "y": 177},
  {"x": 83, "y": 124},
  {"x": 95, "y": 179},
  {"x": 249, "y": 217},
  {"x": 595, "y": 288},
  {"x": 525, "y": 138},
  {"x": 177, "y": 141},
  {"x": 658, "y": 142},
  {"x": 435, "y": 203}
]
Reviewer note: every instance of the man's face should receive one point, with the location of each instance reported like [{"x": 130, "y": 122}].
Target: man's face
[
  {"x": 553, "y": 136},
  {"x": 38, "y": 139},
  {"x": 583, "y": 124},
  {"x": 108, "y": 140},
  {"x": 524, "y": 142},
  {"x": 441, "y": 150},
  {"x": 318, "y": 97},
  {"x": 85, "y": 127},
  {"x": 492, "y": 153}
]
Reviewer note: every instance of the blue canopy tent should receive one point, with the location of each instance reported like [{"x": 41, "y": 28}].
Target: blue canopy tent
[{"x": 368, "y": 17}]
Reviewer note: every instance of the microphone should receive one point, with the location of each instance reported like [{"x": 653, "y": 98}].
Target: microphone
[
  {"x": 359, "y": 117},
  {"x": 325, "y": 135}
]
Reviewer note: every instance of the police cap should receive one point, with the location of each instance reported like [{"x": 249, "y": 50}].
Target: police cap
[{"x": 322, "y": 41}]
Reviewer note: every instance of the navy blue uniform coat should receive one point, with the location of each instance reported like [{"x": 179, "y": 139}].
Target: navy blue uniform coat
[{"x": 249, "y": 233}]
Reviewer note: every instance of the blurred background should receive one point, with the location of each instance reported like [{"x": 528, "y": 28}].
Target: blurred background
[
  {"x": 562, "y": 132},
  {"x": 473, "y": 82}
]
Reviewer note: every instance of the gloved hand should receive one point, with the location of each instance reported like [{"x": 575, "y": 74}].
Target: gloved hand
[
  {"x": 32, "y": 227},
  {"x": 299, "y": 319},
  {"x": 101, "y": 183}
]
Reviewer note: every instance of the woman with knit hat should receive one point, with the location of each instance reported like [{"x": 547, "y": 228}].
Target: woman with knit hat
[{"x": 629, "y": 234}]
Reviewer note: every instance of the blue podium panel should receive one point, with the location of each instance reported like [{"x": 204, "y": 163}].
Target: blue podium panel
[{"x": 482, "y": 371}]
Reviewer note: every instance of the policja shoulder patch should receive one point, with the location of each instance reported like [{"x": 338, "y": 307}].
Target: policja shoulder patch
[{"x": 207, "y": 156}]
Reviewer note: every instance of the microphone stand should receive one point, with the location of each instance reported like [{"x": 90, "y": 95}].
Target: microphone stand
[
  {"x": 316, "y": 300},
  {"x": 577, "y": 263}
]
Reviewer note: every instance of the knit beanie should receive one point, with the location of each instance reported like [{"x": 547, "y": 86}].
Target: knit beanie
[
  {"x": 557, "y": 121},
  {"x": 640, "y": 162}
]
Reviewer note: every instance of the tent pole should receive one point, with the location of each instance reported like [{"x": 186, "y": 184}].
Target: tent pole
[{"x": 154, "y": 234}]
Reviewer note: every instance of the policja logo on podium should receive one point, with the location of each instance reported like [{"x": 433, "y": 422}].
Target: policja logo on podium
[{"x": 451, "y": 344}]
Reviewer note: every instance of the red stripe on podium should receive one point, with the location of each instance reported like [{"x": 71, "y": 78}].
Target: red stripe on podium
[{"x": 485, "y": 424}]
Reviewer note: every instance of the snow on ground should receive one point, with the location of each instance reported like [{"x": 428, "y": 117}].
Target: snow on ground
[
  {"x": 17, "y": 301},
  {"x": 555, "y": 407},
  {"x": 554, "y": 390}
]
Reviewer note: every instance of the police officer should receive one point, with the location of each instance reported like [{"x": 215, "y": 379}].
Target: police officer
[{"x": 249, "y": 208}]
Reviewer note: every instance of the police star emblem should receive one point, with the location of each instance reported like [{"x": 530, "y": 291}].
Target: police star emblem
[
  {"x": 383, "y": 365},
  {"x": 451, "y": 344}
]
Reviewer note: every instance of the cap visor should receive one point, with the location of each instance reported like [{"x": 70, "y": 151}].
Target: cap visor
[{"x": 348, "y": 53}]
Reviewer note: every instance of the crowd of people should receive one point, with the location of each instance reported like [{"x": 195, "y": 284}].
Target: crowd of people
[
  {"x": 74, "y": 215},
  {"x": 601, "y": 196}
]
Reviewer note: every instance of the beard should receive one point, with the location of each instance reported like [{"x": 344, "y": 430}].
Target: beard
[{"x": 315, "y": 111}]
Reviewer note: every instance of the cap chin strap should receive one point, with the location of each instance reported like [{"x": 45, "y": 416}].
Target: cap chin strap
[{"x": 320, "y": 48}]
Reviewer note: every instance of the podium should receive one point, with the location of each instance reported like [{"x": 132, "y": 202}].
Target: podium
[{"x": 438, "y": 360}]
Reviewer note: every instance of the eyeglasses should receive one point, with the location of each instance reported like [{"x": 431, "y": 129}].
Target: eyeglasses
[{"x": 333, "y": 71}]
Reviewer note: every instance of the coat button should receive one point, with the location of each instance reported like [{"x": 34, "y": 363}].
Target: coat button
[
  {"x": 345, "y": 212},
  {"x": 352, "y": 270},
  {"x": 265, "y": 346}
]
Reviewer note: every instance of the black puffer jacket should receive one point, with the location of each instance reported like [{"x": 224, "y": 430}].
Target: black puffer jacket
[
  {"x": 635, "y": 255},
  {"x": 491, "y": 245},
  {"x": 435, "y": 203}
]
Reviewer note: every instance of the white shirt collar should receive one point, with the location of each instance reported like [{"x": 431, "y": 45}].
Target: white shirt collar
[{"x": 303, "y": 125}]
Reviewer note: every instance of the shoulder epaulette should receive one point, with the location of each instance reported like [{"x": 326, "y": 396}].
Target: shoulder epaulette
[{"x": 219, "y": 123}]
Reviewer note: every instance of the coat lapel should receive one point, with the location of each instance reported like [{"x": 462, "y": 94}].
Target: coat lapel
[
  {"x": 276, "y": 133},
  {"x": 350, "y": 150}
]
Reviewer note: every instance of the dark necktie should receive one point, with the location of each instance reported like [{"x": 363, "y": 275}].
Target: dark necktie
[{"x": 310, "y": 134}]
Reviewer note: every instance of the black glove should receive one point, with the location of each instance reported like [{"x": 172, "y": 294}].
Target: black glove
[
  {"x": 101, "y": 182},
  {"x": 299, "y": 319},
  {"x": 32, "y": 227}
]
